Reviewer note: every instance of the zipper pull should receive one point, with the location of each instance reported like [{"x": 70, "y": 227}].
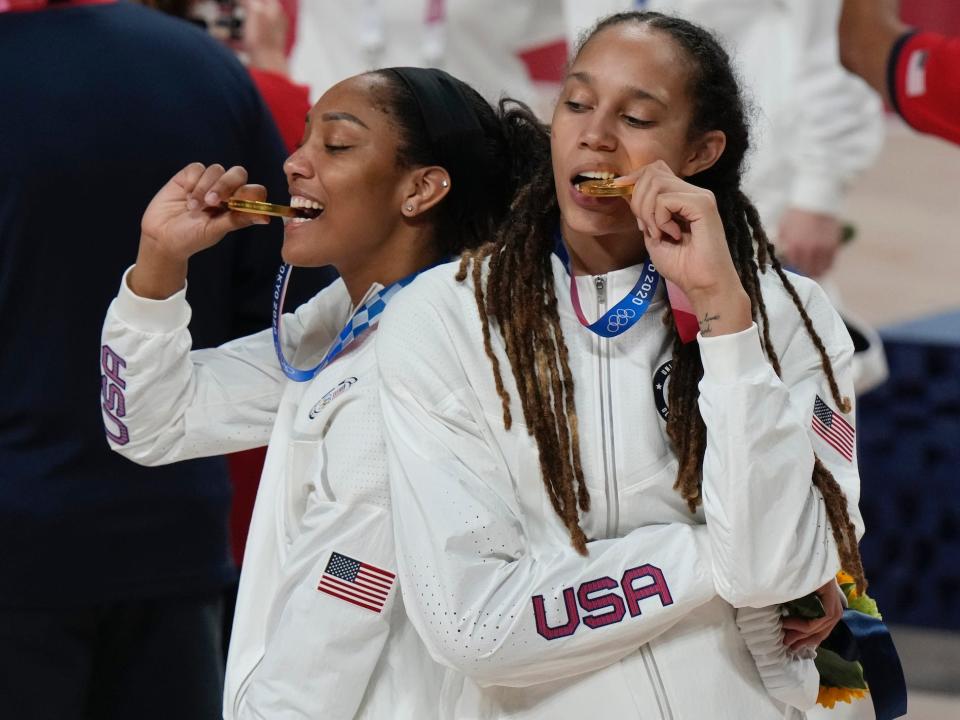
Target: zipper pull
[{"x": 600, "y": 282}]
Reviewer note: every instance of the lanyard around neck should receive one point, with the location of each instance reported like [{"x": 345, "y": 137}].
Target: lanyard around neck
[
  {"x": 364, "y": 319},
  {"x": 627, "y": 312}
]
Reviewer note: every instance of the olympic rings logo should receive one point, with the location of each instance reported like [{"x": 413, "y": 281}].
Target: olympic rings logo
[{"x": 616, "y": 322}]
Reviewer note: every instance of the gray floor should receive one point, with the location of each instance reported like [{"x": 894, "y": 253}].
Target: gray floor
[{"x": 905, "y": 261}]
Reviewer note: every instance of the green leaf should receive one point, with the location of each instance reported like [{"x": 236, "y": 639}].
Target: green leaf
[
  {"x": 837, "y": 672},
  {"x": 865, "y": 604},
  {"x": 808, "y": 607}
]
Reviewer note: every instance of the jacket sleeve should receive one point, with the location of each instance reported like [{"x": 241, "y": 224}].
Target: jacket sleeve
[
  {"x": 322, "y": 649},
  {"x": 486, "y": 602},
  {"x": 839, "y": 118},
  {"x": 162, "y": 403},
  {"x": 767, "y": 523}
]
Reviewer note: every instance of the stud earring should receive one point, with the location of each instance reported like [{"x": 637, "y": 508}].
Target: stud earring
[
  {"x": 444, "y": 183},
  {"x": 409, "y": 208}
]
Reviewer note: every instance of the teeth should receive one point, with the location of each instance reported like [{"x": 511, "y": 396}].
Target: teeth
[
  {"x": 298, "y": 201},
  {"x": 598, "y": 175}
]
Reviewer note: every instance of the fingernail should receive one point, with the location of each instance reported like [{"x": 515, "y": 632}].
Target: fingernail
[
  {"x": 212, "y": 198},
  {"x": 192, "y": 203}
]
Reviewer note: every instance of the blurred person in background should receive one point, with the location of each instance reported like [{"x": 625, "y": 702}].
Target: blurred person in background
[
  {"x": 916, "y": 71},
  {"x": 111, "y": 575},
  {"x": 816, "y": 127},
  {"x": 257, "y": 30},
  {"x": 476, "y": 40}
]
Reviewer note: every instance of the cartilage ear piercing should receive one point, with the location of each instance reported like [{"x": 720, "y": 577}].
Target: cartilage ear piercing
[{"x": 444, "y": 183}]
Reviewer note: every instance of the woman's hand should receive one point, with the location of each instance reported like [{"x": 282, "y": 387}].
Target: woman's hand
[
  {"x": 685, "y": 238},
  {"x": 799, "y": 632},
  {"x": 185, "y": 217},
  {"x": 809, "y": 241}
]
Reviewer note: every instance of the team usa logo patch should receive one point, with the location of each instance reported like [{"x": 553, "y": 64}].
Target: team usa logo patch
[
  {"x": 604, "y": 601},
  {"x": 835, "y": 431},
  {"x": 339, "y": 390},
  {"x": 114, "y": 403},
  {"x": 661, "y": 378},
  {"x": 356, "y": 582}
]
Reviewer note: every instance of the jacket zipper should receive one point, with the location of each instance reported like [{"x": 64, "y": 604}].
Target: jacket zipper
[
  {"x": 242, "y": 689},
  {"x": 610, "y": 482},
  {"x": 656, "y": 682},
  {"x": 606, "y": 416}
]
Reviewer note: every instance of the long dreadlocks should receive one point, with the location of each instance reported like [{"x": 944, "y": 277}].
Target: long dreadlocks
[{"x": 519, "y": 294}]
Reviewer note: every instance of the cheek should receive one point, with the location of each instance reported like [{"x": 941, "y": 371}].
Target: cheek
[{"x": 665, "y": 144}]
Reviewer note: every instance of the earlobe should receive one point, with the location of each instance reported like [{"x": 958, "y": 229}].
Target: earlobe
[{"x": 706, "y": 152}]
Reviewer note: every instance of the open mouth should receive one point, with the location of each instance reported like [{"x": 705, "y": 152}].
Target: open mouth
[
  {"x": 305, "y": 208},
  {"x": 588, "y": 175}
]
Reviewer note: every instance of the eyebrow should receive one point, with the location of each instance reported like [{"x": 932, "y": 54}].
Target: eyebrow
[
  {"x": 333, "y": 116},
  {"x": 635, "y": 92}
]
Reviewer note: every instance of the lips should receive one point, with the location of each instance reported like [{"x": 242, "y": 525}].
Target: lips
[
  {"x": 307, "y": 208},
  {"x": 593, "y": 171}
]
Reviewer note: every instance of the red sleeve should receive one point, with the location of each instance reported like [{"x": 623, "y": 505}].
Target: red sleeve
[
  {"x": 924, "y": 75},
  {"x": 288, "y": 103}
]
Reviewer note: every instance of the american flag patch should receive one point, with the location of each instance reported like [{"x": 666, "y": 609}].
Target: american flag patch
[
  {"x": 356, "y": 582},
  {"x": 836, "y": 431}
]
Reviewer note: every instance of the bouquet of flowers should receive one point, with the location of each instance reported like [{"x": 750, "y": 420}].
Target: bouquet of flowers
[{"x": 841, "y": 680}]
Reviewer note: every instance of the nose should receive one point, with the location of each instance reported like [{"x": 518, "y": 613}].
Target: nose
[
  {"x": 297, "y": 165},
  {"x": 597, "y": 134}
]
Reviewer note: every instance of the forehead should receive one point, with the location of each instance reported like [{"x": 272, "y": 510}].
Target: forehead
[
  {"x": 632, "y": 55},
  {"x": 356, "y": 102}
]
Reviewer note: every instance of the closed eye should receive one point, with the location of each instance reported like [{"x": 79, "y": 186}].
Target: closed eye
[
  {"x": 637, "y": 122},
  {"x": 575, "y": 106},
  {"x": 337, "y": 148}
]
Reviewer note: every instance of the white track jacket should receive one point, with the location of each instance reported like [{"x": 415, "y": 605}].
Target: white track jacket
[
  {"x": 296, "y": 651},
  {"x": 644, "y": 626}
]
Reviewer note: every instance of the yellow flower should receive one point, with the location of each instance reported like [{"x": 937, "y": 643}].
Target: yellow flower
[
  {"x": 830, "y": 696},
  {"x": 845, "y": 578}
]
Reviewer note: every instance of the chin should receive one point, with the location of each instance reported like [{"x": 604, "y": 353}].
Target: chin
[
  {"x": 294, "y": 253},
  {"x": 592, "y": 223}
]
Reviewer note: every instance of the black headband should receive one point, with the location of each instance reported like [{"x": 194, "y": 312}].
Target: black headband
[{"x": 453, "y": 128}]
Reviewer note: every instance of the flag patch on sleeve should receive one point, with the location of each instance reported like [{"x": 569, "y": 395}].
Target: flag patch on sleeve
[
  {"x": 356, "y": 582},
  {"x": 835, "y": 431}
]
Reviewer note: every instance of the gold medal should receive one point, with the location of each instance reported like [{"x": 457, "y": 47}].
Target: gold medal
[
  {"x": 263, "y": 208},
  {"x": 604, "y": 188}
]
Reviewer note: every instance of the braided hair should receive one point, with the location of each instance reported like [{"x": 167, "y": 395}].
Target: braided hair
[{"x": 519, "y": 294}]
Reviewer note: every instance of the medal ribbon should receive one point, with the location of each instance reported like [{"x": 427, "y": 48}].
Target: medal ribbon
[
  {"x": 866, "y": 639},
  {"x": 364, "y": 319},
  {"x": 626, "y": 313}
]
